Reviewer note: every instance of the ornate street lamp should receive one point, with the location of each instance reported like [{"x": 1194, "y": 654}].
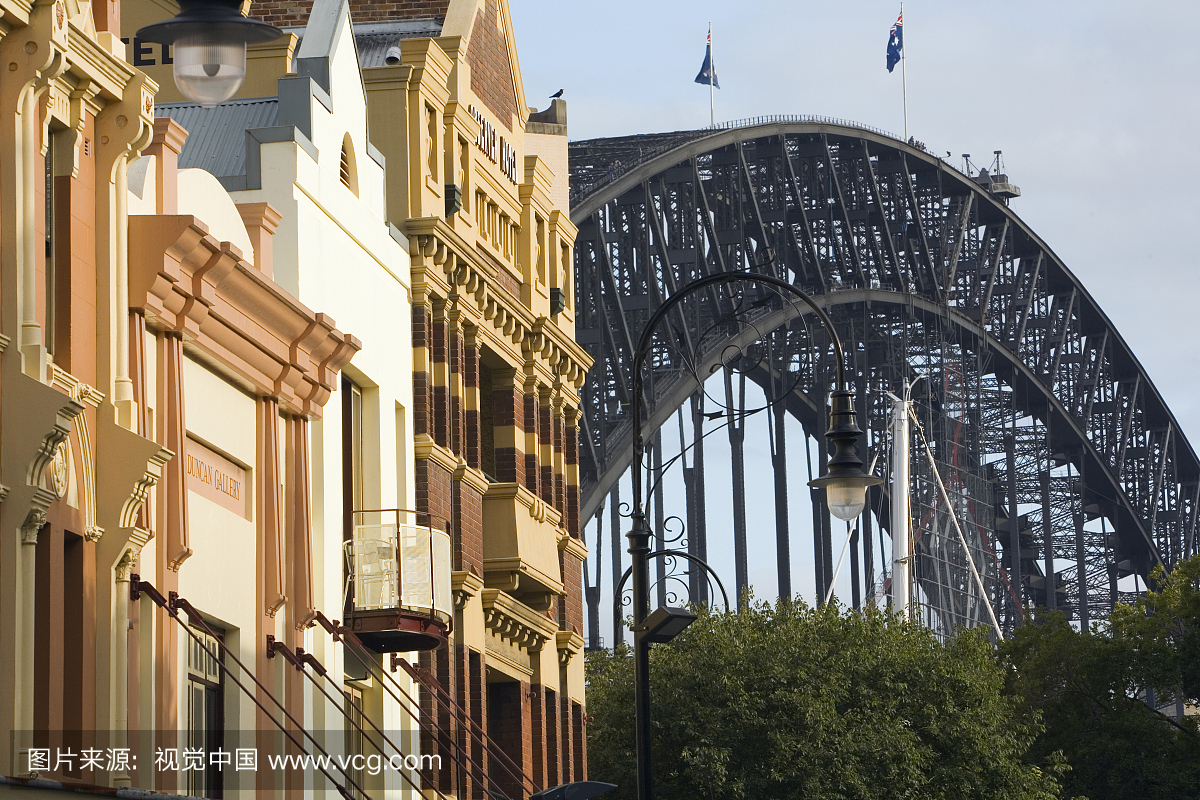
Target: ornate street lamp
[
  {"x": 210, "y": 38},
  {"x": 844, "y": 482}
]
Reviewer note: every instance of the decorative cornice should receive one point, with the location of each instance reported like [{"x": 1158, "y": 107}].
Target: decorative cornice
[
  {"x": 464, "y": 585},
  {"x": 538, "y": 509},
  {"x": 513, "y": 621},
  {"x": 442, "y": 259},
  {"x": 233, "y": 317},
  {"x": 425, "y": 447},
  {"x": 572, "y": 545},
  {"x": 76, "y": 389},
  {"x": 568, "y": 643},
  {"x": 472, "y": 477}
]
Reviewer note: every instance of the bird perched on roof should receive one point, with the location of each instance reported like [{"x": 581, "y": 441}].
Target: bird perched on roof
[{"x": 557, "y": 94}]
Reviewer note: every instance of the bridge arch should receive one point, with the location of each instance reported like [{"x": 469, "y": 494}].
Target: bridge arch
[{"x": 922, "y": 268}]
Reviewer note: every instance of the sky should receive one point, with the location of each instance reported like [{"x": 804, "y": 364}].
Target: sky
[{"x": 1094, "y": 105}]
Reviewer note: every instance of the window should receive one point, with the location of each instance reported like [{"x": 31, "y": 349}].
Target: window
[
  {"x": 349, "y": 169},
  {"x": 51, "y": 285},
  {"x": 355, "y": 723},
  {"x": 205, "y": 710},
  {"x": 431, "y": 151},
  {"x": 480, "y": 210},
  {"x": 352, "y": 452},
  {"x": 464, "y": 168},
  {"x": 568, "y": 275},
  {"x": 539, "y": 248}
]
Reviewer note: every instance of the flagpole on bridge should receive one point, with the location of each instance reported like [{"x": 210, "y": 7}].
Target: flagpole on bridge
[
  {"x": 712, "y": 70},
  {"x": 904, "y": 80}
]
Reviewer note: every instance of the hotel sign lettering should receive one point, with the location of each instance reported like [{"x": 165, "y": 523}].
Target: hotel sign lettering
[
  {"x": 498, "y": 149},
  {"x": 216, "y": 478}
]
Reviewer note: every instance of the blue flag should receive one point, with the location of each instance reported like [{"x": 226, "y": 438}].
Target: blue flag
[
  {"x": 708, "y": 73},
  {"x": 895, "y": 42}
]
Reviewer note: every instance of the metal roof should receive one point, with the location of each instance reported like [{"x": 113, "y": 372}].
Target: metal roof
[
  {"x": 373, "y": 39},
  {"x": 216, "y": 139}
]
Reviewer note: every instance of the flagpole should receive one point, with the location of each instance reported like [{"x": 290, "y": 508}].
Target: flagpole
[
  {"x": 712, "y": 78},
  {"x": 903, "y": 75}
]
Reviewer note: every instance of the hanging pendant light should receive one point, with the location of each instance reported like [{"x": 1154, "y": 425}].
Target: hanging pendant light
[{"x": 210, "y": 38}]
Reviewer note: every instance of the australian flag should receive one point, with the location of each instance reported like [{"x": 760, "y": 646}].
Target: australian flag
[
  {"x": 708, "y": 73},
  {"x": 895, "y": 42}
]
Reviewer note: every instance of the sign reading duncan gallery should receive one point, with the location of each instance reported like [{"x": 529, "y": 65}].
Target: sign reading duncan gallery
[{"x": 214, "y": 477}]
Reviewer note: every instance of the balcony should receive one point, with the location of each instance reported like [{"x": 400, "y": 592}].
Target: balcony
[
  {"x": 398, "y": 595},
  {"x": 520, "y": 549}
]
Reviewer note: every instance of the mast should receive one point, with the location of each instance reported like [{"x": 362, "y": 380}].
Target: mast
[
  {"x": 712, "y": 78},
  {"x": 903, "y": 76}
]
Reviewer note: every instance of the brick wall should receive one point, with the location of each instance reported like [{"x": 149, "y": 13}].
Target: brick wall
[
  {"x": 552, "y": 739},
  {"x": 510, "y": 731},
  {"x": 478, "y": 712},
  {"x": 422, "y": 391},
  {"x": 471, "y": 445},
  {"x": 468, "y": 505},
  {"x": 491, "y": 65},
  {"x": 572, "y": 602},
  {"x": 532, "y": 473},
  {"x": 294, "y": 13},
  {"x": 440, "y": 400},
  {"x": 571, "y": 501},
  {"x": 434, "y": 492},
  {"x": 577, "y": 739}
]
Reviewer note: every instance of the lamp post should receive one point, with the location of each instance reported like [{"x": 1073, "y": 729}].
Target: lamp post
[
  {"x": 845, "y": 486},
  {"x": 210, "y": 38}
]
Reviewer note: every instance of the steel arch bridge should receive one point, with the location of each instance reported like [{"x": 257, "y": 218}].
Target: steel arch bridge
[{"x": 1065, "y": 466}]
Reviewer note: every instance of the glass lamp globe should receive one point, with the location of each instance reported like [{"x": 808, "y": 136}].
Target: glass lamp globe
[
  {"x": 210, "y": 38},
  {"x": 209, "y": 69},
  {"x": 846, "y": 502}
]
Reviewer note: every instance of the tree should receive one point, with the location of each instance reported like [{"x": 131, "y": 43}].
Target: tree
[
  {"x": 788, "y": 701},
  {"x": 1092, "y": 690}
]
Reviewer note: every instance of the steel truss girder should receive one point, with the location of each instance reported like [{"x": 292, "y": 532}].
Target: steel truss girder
[{"x": 920, "y": 267}]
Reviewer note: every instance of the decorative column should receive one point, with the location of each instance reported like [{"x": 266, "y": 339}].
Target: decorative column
[
  {"x": 174, "y": 497},
  {"x": 166, "y": 145},
  {"x": 299, "y": 572},
  {"x": 261, "y": 220},
  {"x": 269, "y": 557}
]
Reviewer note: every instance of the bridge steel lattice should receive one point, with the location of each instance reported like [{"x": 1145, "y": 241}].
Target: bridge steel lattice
[{"x": 1066, "y": 467}]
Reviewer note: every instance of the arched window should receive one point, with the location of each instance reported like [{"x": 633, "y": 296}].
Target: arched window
[{"x": 349, "y": 169}]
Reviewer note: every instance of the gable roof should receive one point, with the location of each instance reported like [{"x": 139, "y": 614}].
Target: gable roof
[{"x": 491, "y": 52}]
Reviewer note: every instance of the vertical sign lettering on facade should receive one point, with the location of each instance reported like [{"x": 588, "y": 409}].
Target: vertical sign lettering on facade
[
  {"x": 216, "y": 478},
  {"x": 498, "y": 149}
]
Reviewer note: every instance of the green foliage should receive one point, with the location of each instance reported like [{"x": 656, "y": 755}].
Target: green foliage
[
  {"x": 1091, "y": 688},
  {"x": 788, "y": 701}
]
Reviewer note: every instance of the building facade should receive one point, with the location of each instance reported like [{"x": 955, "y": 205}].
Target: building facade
[{"x": 227, "y": 524}]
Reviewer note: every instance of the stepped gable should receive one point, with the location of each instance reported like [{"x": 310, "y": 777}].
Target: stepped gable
[
  {"x": 491, "y": 64},
  {"x": 294, "y": 13}
]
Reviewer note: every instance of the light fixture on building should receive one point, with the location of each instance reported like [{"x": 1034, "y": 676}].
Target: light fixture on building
[
  {"x": 844, "y": 481},
  {"x": 210, "y": 38}
]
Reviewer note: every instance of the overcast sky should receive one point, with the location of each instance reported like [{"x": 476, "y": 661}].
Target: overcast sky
[{"x": 1094, "y": 104}]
